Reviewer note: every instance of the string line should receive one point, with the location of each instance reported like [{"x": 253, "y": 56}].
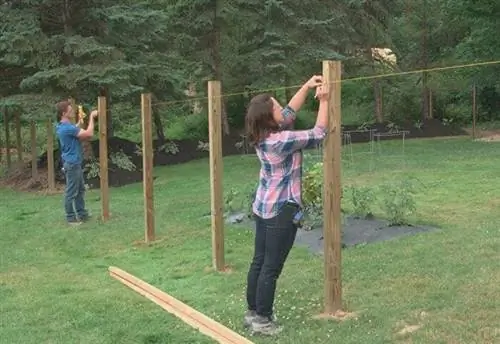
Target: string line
[{"x": 360, "y": 78}]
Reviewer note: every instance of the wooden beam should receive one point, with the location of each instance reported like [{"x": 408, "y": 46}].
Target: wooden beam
[
  {"x": 215, "y": 142},
  {"x": 34, "y": 153},
  {"x": 147, "y": 168},
  {"x": 51, "y": 176},
  {"x": 103, "y": 157},
  {"x": 332, "y": 191},
  {"x": 204, "y": 324}
]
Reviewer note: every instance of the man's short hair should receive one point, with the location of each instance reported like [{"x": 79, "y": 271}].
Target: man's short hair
[{"x": 61, "y": 108}]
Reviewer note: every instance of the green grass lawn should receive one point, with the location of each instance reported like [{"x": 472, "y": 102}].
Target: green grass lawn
[{"x": 55, "y": 288}]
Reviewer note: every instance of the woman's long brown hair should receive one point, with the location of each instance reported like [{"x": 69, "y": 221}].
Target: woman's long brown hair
[{"x": 259, "y": 120}]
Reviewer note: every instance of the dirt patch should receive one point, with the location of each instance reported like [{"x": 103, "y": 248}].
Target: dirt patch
[
  {"x": 338, "y": 316},
  {"x": 165, "y": 153},
  {"x": 409, "y": 329},
  {"x": 21, "y": 179},
  {"x": 485, "y": 135},
  {"x": 426, "y": 129},
  {"x": 490, "y": 138}
]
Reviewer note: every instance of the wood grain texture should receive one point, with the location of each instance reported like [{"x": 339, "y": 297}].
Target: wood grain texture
[
  {"x": 332, "y": 191},
  {"x": 199, "y": 321}
]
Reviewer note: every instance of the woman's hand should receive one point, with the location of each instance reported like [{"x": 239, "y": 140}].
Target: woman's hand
[
  {"x": 322, "y": 93},
  {"x": 315, "y": 81}
]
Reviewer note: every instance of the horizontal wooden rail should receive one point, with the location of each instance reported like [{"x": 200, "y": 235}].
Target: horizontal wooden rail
[{"x": 204, "y": 324}]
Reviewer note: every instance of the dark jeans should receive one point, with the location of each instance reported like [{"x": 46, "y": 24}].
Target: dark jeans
[
  {"x": 74, "y": 203},
  {"x": 274, "y": 239}
]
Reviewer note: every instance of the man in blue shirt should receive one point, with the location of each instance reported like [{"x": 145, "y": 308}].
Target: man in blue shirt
[{"x": 69, "y": 136}]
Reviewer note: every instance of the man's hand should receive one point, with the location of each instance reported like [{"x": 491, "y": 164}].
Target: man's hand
[
  {"x": 315, "y": 81},
  {"x": 94, "y": 114}
]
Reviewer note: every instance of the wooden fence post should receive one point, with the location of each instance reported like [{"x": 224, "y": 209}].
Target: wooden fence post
[
  {"x": 215, "y": 142},
  {"x": 147, "y": 168},
  {"x": 332, "y": 191},
  {"x": 103, "y": 157}
]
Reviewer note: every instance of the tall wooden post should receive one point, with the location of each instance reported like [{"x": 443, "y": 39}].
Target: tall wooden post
[
  {"x": 34, "y": 153},
  {"x": 332, "y": 191},
  {"x": 147, "y": 168},
  {"x": 51, "y": 176},
  {"x": 103, "y": 157},
  {"x": 215, "y": 142}
]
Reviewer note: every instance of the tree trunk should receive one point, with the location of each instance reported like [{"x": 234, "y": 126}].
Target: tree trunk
[
  {"x": 379, "y": 111},
  {"x": 217, "y": 62},
  {"x": 191, "y": 92},
  {"x": 377, "y": 87},
  {"x": 425, "y": 65},
  {"x": 104, "y": 92},
  {"x": 431, "y": 106},
  {"x": 288, "y": 91},
  {"x": 68, "y": 60},
  {"x": 160, "y": 133},
  {"x": 425, "y": 97}
]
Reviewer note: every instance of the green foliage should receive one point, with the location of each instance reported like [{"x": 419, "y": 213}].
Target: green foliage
[
  {"x": 230, "y": 197},
  {"x": 362, "y": 199},
  {"x": 122, "y": 161},
  {"x": 312, "y": 190},
  {"x": 458, "y": 113},
  {"x": 50, "y": 50},
  {"x": 194, "y": 127},
  {"x": 398, "y": 201},
  {"x": 92, "y": 168},
  {"x": 118, "y": 159},
  {"x": 395, "y": 199},
  {"x": 169, "y": 148},
  {"x": 236, "y": 200}
]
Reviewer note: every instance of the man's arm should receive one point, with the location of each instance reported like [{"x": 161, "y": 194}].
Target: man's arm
[
  {"x": 79, "y": 124},
  {"x": 89, "y": 132}
]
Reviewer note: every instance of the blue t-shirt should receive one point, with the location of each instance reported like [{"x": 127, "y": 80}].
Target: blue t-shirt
[{"x": 71, "y": 148}]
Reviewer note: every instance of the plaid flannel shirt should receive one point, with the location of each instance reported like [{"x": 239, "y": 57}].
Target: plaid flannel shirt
[{"x": 280, "y": 175}]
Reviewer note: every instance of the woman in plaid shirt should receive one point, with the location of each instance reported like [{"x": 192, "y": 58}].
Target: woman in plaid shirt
[{"x": 278, "y": 198}]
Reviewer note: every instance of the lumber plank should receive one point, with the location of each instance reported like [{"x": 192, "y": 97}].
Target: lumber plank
[{"x": 201, "y": 322}]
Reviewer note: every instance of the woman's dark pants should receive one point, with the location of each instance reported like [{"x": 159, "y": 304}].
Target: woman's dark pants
[{"x": 274, "y": 239}]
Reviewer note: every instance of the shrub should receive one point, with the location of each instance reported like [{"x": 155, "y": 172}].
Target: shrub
[
  {"x": 362, "y": 199},
  {"x": 193, "y": 127},
  {"x": 312, "y": 188},
  {"x": 236, "y": 200},
  {"x": 398, "y": 201}
]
